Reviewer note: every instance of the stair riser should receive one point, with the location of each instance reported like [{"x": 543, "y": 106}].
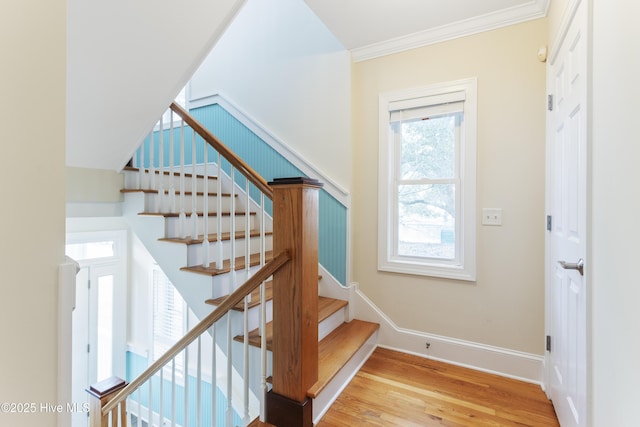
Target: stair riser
[
  {"x": 194, "y": 252},
  {"x": 172, "y": 225},
  {"x": 132, "y": 181},
  {"x": 330, "y": 323},
  {"x": 155, "y": 203}
]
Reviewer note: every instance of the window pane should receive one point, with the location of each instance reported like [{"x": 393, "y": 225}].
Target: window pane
[
  {"x": 428, "y": 148},
  {"x": 426, "y": 221},
  {"x": 90, "y": 250}
]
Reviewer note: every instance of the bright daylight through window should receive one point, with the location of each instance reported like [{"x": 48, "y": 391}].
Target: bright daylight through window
[{"x": 427, "y": 181}]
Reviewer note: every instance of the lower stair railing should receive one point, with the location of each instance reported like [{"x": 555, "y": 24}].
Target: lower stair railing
[{"x": 109, "y": 398}]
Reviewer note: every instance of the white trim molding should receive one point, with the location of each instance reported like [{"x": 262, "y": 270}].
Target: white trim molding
[
  {"x": 334, "y": 189},
  {"x": 534, "y": 9},
  {"x": 482, "y": 357}
]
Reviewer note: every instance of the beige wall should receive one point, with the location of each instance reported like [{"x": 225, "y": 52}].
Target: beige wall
[
  {"x": 93, "y": 185},
  {"x": 555, "y": 14},
  {"x": 505, "y": 307},
  {"x": 32, "y": 220}
]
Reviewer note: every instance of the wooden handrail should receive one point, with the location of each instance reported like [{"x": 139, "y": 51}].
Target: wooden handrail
[
  {"x": 231, "y": 157},
  {"x": 234, "y": 298}
]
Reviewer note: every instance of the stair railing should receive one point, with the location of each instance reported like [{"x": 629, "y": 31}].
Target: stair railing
[
  {"x": 110, "y": 404},
  {"x": 295, "y": 232},
  {"x": 196, "y": 152}
]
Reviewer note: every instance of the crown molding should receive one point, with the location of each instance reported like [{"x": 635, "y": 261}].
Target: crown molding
[{"x": 535, "y": 9}]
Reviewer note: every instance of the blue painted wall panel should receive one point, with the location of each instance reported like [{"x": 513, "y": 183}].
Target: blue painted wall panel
[
  {"x": 268, "y": 163},
  {"x": 136, "y": 364}
]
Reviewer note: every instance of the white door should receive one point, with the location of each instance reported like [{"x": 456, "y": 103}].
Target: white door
[{"x": 567, "y": 263}]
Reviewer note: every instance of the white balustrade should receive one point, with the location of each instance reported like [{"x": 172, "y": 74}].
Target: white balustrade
[{"x": 163, "y": 398}]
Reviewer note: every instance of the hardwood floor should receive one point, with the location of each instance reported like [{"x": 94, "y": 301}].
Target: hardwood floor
[{"x": 396, "y": 389}]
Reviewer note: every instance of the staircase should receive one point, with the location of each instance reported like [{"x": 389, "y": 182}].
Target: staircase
[{"x": 209, "y": 242}]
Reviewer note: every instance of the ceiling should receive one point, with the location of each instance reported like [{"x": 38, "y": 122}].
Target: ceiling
[{"x": 372, "y": 28}]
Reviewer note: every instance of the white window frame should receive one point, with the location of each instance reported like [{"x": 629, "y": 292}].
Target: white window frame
[{"x": 464, "y": 266}]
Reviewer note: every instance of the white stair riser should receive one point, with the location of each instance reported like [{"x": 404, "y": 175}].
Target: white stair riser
[
  {"x": 194, "y": 252},
  {"x": 172, "y": 224},
  {"x": 155, "y": 203},
  {"x": 132, "y": 181},
  {"x": 330, "y": 323}
]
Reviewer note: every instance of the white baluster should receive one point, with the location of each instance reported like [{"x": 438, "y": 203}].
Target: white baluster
[
  {"x": 247, "y": 232},
  {"x": 205, "y": 209},
  {"x": 232, "y": 229},
  {"x": 186, "y": 384},
  {"x": 229, "y": 413},
  {"x": 214, "y": 377},
  {"x": 139, "y": 407},
  {"x": 182, "y": 220},
  {"x": 152, "y": 166},
  {"x": 138, "y": 165},
  {"x": 144, "y": 183},
  {"x": 263, "y": 351},
  {"x": 199, "y": 385},
  {"x": 150, "y": 408},
  {"x": 172, "y": 188},
  {"x": 246, "y": 419},
  {"x": 173, "y": 392},
  {"x": 220, "y": 255},
  {"x": 263, "y": 229},
  {"x": 161, "y": 409},
  {"x": 194, "y": 192},
  {"x": 161, "y": 184}
]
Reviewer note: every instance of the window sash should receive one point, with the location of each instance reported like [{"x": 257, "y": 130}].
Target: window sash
[
  {"x": 396, "y": 129},
  {"x": 429, "y": 102}
]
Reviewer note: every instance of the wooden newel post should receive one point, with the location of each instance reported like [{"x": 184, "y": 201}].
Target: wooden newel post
[
  {"x": 295, "y": 302},
  {"x": 99, "y": 395}
]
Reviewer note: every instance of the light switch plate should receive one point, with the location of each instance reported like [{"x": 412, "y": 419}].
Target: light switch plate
[{"x": 491, "y": 216}]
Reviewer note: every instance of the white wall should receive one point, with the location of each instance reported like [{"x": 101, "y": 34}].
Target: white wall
[
  {"x": 505, "y": 306},
  {"x": 32, "y": 112},
  {"x": 278, "y": 63},
  {"x": 615, "y": 205}
]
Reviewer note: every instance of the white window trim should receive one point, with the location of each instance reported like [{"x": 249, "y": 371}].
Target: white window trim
[{"x": 465, "y": 269}]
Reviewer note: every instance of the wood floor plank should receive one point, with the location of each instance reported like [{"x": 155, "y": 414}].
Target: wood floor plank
[{"x": 397, "y": 389}]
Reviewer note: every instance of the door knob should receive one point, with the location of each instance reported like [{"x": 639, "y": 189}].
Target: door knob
[{"x": 573, "y": 266}]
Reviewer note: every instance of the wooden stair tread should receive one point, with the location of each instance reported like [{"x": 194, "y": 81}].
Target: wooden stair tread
[
  {"x": 213, "y": 270},
  {"x": 326, "y": 307},
  {"x": 176, "y": 214},
  {"x": 255, "y": 298},
  {"x": 213, "y": 237},
  {"x": 338, "y": 348}
]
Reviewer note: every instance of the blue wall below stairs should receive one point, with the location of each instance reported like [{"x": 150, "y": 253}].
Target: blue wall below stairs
[{"x": 136, "y": 364}]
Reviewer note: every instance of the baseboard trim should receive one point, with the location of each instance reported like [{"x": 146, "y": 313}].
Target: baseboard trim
[{"x": 495, "y": 360}]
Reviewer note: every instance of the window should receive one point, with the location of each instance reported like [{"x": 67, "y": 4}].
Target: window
[
  {"x": 427, "y": 167},
  {"x": 169, "y": 318}
]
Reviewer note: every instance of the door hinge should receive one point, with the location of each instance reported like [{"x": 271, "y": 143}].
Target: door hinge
[
  {"x": 550, "y": 102},
  {"x": 88, "y": 348},
  {"x": 549, "y": 222},
  {"x": 549, "y": 343}
]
